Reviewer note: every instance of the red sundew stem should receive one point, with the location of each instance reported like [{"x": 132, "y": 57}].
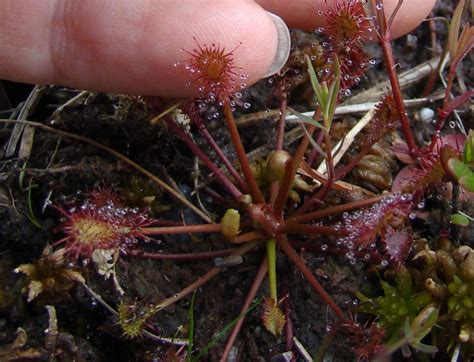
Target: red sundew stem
[
  {"x": 295, "y": 228},
  {"x": 446, "y": 111},
  {"x": 303, "y": 146},
  {"x": 384, "y": 40},
  {"x": 300, "y": 264},
  {"x": 218, "y": 198},
  {"x": 284, "y": 189},
  {"x": 342, "y": 171},
  {"x": 257, "y": 282},
  {"x": 220, "y": 154},
  {"x": 333, "y": 210},
  {"x": 199, "y": 282},
  {"x": 434, "y": 74},
  {"x": 236, "y": 193},
  {"x": 250, "y": 236},
  {"x": 314, "y": 152},
  {"x": 288, "y": 324},
  {"x": 180, "y": 257},
  {"x": 443, "y": 115},
  {"x": 281, "y": 122},
  {"x": 255, "y": 191},
  {"x": 321, "y": 195},
  {"x": 279, "y": 142},
  {"x": 375, "y": 256},
  {"x": 182, "y": 229}
]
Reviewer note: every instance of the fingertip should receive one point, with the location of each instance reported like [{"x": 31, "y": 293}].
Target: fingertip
[
  {"x": 303, "y": 14},
  {"x": 264, "y": 42}
]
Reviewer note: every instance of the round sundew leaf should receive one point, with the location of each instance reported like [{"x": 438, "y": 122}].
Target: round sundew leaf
[
  {"x": 405, "y": 178},
  {"x": 402, "y": 152},
  {"x": 456, "y": 141}
]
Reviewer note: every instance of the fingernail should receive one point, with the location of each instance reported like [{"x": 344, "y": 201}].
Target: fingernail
[{"x": 283, "y": 47}]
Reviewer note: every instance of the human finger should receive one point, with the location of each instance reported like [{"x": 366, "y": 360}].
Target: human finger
[
  {"x": 130, "y": 46},
  {"x": 303, "y": 14}
]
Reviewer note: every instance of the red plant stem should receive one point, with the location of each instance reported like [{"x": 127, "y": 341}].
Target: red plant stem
[
  {"x": 182, "y": 229},
  {"x": 283, "y": 189},
  {"x": 241, "y": 155},
  {"x": 333, "y": 210},
  {"x": 314, "y": 153},
  {"x": 384, "y": 39},
  {"x": 281, "y": 122},
  {"x": 443, "y": 114},
  {"x": 225, "y": 161},
  {"x": 201, "y": 280},
  {"x": 303, "y": 146},
  {"x": 201, "y": 155},
  {"x": 288, "y": 324},
  {"x": 300, "y": 264},
  {"x": 295, "y": 228},
  {"x": 279, "y": 142},
  {"x": 434, "y": 74},
  {"x": 180, "y": 257},
  {"x": 344, "y": 170},
  {"x": 322, "y": 194},
  {"x": 261, "y": 273},
  {"x": 218, "y": 198},
  {"x": 250, "y": 236},
  {"x": 375, "y": 256}
]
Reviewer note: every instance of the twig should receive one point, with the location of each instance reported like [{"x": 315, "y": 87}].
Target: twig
[
  {"x": 22, "y": 130},
  {"x": 121, "y": 157},
  {"x": 175, "y": 341}
]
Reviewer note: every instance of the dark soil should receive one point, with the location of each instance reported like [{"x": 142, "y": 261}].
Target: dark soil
[{"x": 59, "y": 168}]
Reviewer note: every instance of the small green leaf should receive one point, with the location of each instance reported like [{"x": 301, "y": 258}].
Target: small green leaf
[
  {"x": 454, "y": 27},
  {"x": 361, "y": 297},
  {"x": 460, "y": 219},
  {"x": 467, "y": 182},
  {"x": 468, "y": 153},
  {"x": 230, "y": 224},
  {"x": 306, "y": 119},
  {"x": 334, "y": 91},
  {"x": 458, "y": 168},
  {"x": 315, "y": 83},
  {"x": 425, "y": 348},
  {"x": 424, "y": 322}
]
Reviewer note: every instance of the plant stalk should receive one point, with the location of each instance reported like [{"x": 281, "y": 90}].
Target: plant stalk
[
  {"x": 236, "y": 193},
  {"x": 241, "y": 155},
  {"x": 300, "y": 264},
  {"x": 272, "y": 277},
  {"x": 384, "y": 40}
]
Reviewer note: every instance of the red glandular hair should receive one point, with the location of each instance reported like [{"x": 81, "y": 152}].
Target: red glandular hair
[
  {"x": 101, "y": 222},
  {"x": 214, "y": 69}
]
